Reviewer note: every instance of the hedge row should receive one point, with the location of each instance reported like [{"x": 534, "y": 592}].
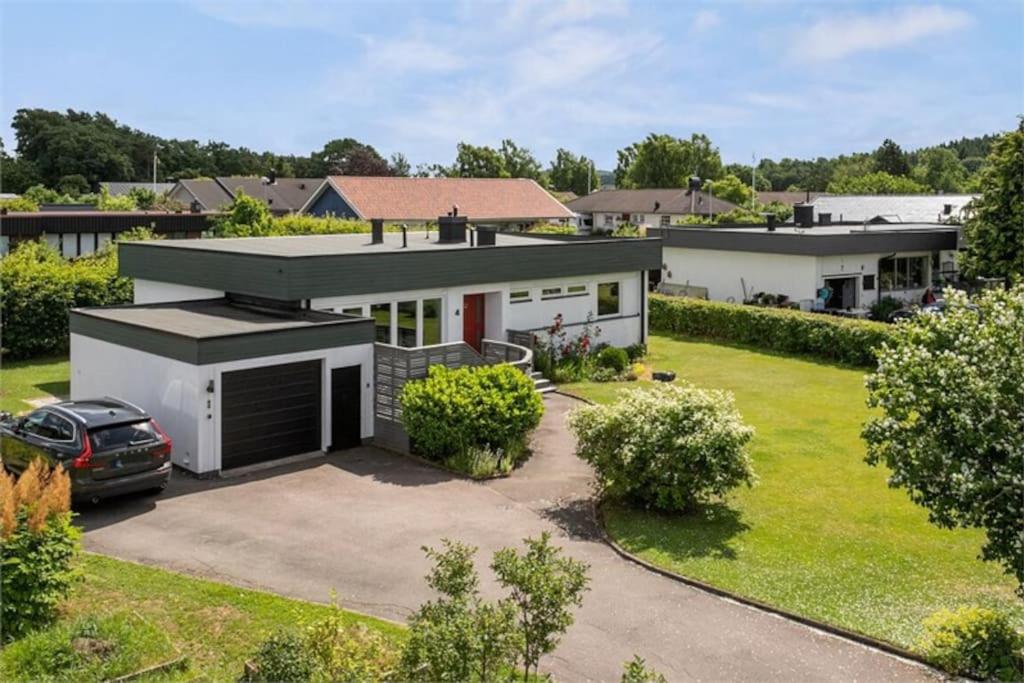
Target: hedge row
[
  {"x": 812, "y": 334},
  {"x": 40, "y": 287}
]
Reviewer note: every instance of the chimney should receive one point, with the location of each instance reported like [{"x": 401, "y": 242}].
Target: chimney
[
  {"x": 377, "y": 231},
  {"x": 451, "y": 229},
  {"x": 195, "y": 206},
  {"x": 803, "y": 215},
  {"x": 770, "y": 217},
  {"x": 486, "y": 237}
]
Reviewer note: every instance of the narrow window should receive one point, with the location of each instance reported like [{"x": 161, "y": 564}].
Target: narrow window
[
  {"x": 638, "y": 219},
  {"x": 381, "y": 313},
  {"x": 519, "y": 295},
  {"x": 353, "y": 310},
  {"x": 665, "y": 221},
  {"x": 550, "y": 292},
  {"x": 609, "y": 220},
  {"x": 407, "y": 323},
  {"x": 608, "y": 298},
  {"x": 868, "y": 283},
  {"x": 431, "y": 321},
  {"x": 576, "y": 290}
]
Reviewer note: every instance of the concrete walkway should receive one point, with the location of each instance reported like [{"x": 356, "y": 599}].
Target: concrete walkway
[{"x": 355, "y": 522}]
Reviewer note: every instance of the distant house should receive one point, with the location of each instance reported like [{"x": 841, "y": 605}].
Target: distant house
[
  {"x": 607, "y": 209},
  {"x": 787, "y": 197},
  {"x": 283, "y": 196},
  {"x": 916, "y": 208},
  {"x": 117, "y": 188},
  {"x": 855, "y": 265},
  {"x": 492, "y": 201}
]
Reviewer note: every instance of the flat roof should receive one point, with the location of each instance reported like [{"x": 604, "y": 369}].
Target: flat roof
[
  {"x": 208, "y": 330},
  {"x": 823, "y": 230},
  {"x": 339, "y": 245},
  {"x": 209, "y": 318}
]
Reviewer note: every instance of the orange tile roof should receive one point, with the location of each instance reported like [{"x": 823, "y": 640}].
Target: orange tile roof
[{"x": 425, "y": 199}]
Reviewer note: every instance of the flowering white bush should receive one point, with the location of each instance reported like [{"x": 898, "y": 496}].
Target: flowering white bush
[
  {"x": 671, "y": 448},
  {"x": 950, "y": 388}
]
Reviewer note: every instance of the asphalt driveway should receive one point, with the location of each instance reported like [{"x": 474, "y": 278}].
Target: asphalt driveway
[{"x": 355, "y": 521}]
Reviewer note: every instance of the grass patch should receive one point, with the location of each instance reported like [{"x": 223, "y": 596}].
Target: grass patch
[
  {"x": 821, "y": 534},
  {"x": 217, "y": 626},
  {"x": 87, "y": 649},
  {"x": 23, "y": 380}
]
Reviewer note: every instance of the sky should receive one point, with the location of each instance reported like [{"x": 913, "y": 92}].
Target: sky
[{"x": 770, "y": 78}]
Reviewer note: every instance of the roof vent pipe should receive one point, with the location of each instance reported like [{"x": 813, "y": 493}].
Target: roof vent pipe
[
  {"x": 377, "y": 231},
  {"x": 405, "y": 235},
  {"x": 770, "y": 218},
  {"x": 486, "y": 237}
]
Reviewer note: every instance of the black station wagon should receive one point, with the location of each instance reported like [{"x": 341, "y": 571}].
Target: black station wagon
[{"x": 107, "y": 446}]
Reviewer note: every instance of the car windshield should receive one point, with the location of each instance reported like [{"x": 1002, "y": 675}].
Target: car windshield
[{"x": 123, "y": 436}]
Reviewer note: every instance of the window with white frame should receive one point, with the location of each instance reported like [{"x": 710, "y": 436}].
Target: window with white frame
[
  {"x": 550, "y": 292},
  {"x": 638, "y": 219},
  {"x": 576, "y": 290},
  {"x": 519, "y": 295},
  {"x": 666, "y": 221},
  {"x": 904, "y": 272},
  {"x": 609, "y": 220}
]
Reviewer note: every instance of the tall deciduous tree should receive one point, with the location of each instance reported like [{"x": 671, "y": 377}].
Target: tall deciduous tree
[
  {"x": 994, "y": 229},
  {"x": 876, "y": 183},
  {"x": 890, "y": 158},
  {"x": 571, "y": 173},
  {"x": 666, "y": 161},
  {"x": 940, "y": 169},
  {"x": 950, "y": 388},
  {"x": 732, "y": 189}
]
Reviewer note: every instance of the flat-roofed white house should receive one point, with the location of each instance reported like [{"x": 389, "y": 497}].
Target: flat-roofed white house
[
  {"x": 254, "y": 349},
  {"x": 859, "y": 264}
]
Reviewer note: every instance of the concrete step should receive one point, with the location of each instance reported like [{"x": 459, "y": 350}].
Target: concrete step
[
  {"x": 543, "y": 385},
  {"x": 536, "y": 375},
  {"x": 547, "y": 390}
]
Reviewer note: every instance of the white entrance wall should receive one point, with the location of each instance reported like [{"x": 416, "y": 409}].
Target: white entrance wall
[
  {"x": 176, "y": 393},
  {"x": 621, "y": 329}
]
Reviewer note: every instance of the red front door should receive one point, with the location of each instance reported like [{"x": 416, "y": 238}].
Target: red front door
[{"x": 473, "y": 320}]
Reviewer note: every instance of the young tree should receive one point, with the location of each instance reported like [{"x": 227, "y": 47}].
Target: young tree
[
  {"x": 459, "y": 637},
  {"x": 544, "y": 587},
  {"x": 667, "y": 161},
  {"x": 890, "y": 158},
  {"x": 994, "y": 229},
  {"x": 732, "y": 189},
  {"x": 950, "y": 388}
]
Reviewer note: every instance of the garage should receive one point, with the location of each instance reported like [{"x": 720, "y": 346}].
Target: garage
[
  {"x": 232, "y": 382},
  {"x": 270, "y": 412}
]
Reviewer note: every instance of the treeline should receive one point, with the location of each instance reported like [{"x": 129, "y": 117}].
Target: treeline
[{"x": 72, "y": 152}]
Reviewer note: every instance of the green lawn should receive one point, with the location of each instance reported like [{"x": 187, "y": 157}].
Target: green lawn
[
  {"x": 821, "y": 534},
  {"x": 216, "y": 626},
  {"x": 23, "y": 380}
]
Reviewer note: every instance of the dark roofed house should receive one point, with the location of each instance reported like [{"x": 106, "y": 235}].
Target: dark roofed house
[
  {"x": 506, "y": 201},
  {"x": 117, "y": 188},
  {"x": 607, "y": 209},
  {"x": 283, "y": 196}
]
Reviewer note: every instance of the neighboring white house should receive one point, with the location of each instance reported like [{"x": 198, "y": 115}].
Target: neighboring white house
[
  {"x": 606, "y": 210},
  {"x": 228, "y": 336},
  {"x": 877, "y": 208},
  {"x": 858, "y": 264}
]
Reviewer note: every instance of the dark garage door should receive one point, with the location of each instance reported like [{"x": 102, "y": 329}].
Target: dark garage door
[{"x": 270, "y": 412}]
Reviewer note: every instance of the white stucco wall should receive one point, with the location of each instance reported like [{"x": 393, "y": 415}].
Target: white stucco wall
[
  {"x": 175, "y": 393},
  {"x": 725, "y": 273},
  {"x": 622, "y": 329},
  {"x": 153, "y": 292}
]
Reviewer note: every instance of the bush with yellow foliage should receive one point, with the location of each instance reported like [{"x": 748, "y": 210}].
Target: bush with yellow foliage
[{"x": 38, "y": 546}]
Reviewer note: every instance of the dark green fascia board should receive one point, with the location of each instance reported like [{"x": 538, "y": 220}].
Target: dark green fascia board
[
  {"x": 209, "y": 350},
  {"x": 308, "y": 277},
  {"x": 869, "y": 242}
]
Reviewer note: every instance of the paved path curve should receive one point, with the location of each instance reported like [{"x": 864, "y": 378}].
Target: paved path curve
[{"x": 355, "y": 522}]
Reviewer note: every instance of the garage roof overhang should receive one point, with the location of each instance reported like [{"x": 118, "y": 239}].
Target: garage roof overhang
[
  {"x": 215, "y": 330},
  {"x": 299, "y": 275}
]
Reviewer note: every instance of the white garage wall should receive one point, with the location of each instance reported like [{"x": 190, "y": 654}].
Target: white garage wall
[
  {"x": 721, "y": 272},
  {"x": 153, "y": 292},
  {"x": 175, "y": 393},
  {"x": 168, "y": 389}
]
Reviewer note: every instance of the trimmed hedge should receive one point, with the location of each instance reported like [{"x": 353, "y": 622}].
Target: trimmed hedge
[
  {"x": 812, "y": 334},
  {"x": 40, "y": 287}
]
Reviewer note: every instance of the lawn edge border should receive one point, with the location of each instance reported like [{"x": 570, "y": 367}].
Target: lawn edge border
[
  {"x": 163, "y": 667},
  {"x": 198, "y": 577},
  {"x": 597, "y": 505}
]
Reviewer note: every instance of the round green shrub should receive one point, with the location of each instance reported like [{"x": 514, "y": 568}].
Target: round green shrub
[
  {"x": 449, "y": 411},
  {"x": 672, "y": 448},
  {"x": 283, "y": 657},
  {"x": 613, "y": 358},
  {"x": 974, "y": 641}
]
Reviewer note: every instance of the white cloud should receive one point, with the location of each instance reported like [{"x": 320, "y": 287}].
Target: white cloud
[
  {"x": 840, "y": 36},
  {"x": 705, "y": 20}
]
